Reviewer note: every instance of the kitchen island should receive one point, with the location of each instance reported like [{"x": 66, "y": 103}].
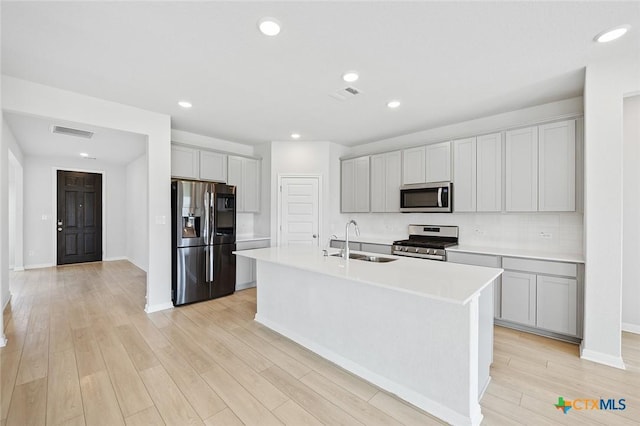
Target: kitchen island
[{"x": 422, "y": 330}]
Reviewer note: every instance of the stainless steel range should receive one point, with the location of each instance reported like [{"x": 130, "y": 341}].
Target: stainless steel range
[{"x": 427, "y": 242}]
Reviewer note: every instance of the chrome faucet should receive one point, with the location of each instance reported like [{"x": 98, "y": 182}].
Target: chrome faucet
[
  {"x": 325, "y": 251},
  {"x": 346, "y": 237}
]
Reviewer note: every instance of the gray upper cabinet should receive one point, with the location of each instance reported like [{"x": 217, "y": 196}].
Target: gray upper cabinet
[
  {"x": 438, "y": 162},
  {"x": 556, "y": 168},
  {"x": 213, "y": 166},
  {"x": 414, "y": 165},
  {"x": 522, "y": 170},
  {"x": 477, "y": 174},
  {"x": 464, "y": 175},
  {"x": 244, "y": 173},
  {"x": 192, "y": 163},
  {"x": 185, "y": 162},
  {"x": 386, "y": 177},
  {"x": 355, "y": 185},
  {"x": 489, "y": 173}
]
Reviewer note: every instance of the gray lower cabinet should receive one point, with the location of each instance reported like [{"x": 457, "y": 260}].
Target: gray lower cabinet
[
  {"x": 542, "y": 294},
  {"x": 519, "y": 297},
  {"x": 246, "y": 268},
  {"x": 362, "y": 246}
]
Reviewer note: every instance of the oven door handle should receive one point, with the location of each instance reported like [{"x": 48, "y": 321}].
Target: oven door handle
[{"x": 440, "y": 197}]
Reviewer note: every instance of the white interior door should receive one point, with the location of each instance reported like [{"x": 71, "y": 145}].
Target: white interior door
[{"x": 299, "y": 211}]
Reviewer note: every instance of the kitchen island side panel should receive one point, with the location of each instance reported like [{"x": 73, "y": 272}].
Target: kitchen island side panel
[{"x": 426, "y": 351}]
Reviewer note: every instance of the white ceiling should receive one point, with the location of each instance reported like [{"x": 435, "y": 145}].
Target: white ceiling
[
  {"x": 446, "y": 61},
  {"x": 108, "y": 145}
]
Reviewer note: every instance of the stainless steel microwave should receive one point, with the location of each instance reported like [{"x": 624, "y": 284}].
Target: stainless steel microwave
[{"x": 432, "y": 197}]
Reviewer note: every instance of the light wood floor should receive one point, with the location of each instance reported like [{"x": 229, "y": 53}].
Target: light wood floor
[{"x": 81, "y": 350}]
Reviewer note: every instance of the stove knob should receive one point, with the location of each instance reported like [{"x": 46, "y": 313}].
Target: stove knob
[
  {"x": 405, "y": 248},
  {"x": 417, "y": 249},
  {"x": 428, "y": 251}
]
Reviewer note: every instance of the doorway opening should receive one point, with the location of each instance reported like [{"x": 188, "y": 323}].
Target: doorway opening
[{"x": 79, "y": 220}]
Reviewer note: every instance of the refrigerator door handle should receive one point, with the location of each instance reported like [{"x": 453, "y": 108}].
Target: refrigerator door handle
[
  {"x": 206, "y": 217},
  {"x": 210, "y": 265},
  {"x": 206, "y": 262}
]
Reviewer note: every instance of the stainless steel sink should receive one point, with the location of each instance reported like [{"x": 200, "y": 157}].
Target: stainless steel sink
[{"x": 367, "y": 258}]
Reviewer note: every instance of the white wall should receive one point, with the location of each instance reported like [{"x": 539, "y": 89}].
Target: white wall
[
  {"x": 631, "y": 215},
  {"x": 262, "y": 220},
  {"x": 40, "y": 207},
  {"x": 24, "y": 97},
  {"x": 4, "y": 221},
  {"x": 304, "y": 158},
  {"x": 135, "y": 213},
  {"x": 605, "y": 86}
]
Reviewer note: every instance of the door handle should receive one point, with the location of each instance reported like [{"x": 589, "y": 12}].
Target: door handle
[
  {"x": 315, "y": 236},
  {"x": 59, "y": 229}
]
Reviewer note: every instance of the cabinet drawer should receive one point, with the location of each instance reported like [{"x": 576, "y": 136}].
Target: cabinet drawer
[
  {"x": 248, "y": 245},
  {"x": 473, "y": 259},
  {"x": 540, "y": 266},
  {"x": 375, "y": 248}
]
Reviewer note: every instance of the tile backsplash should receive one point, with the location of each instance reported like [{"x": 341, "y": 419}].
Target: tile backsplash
[{"x": 554, "y": 232}]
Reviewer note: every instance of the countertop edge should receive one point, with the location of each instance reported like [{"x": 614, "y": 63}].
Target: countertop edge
[
  {"x": 492, "y": 251},
  {"x": 462, "y": 302}
]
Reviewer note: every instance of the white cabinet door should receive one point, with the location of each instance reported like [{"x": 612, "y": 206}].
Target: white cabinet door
[
  {"x": 556, "y": 168},
  {"x": 488, "y": 173},
  {"x": 184, "y": 162},
  {"x": 386, "y": 176},
  {"x": 234, "y": 177},
  {"x": 519, "y": 297},
  {"x": 464, "y": 175},
  {"x": 438, "y": 162},
  {"x": 213, "y": 166},
  {"x": 393, "y": 180},
  {"x": 557, "y": 304},
  {"x": 378, "y": 183},
  {"x": 414, "y": 165},
  {"x": 362, "y": 184},
  {"x": 251, "y": 185},
  {"x": 522, "y": 170},
  {"x": 244, "y": 174},
  {"x": 348, "y": 186}
]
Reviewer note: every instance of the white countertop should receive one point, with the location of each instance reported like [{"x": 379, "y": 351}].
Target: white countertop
[
  {"x": 250, "y": 237},
  {"x": 525, "y": 253},
  {"x": 450, "y": 282}
]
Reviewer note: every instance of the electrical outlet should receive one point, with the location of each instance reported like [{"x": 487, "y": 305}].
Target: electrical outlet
[
  {"x": 480, "y": 231},
  {"x": 31, "y": 252},
  {"x": 546, "y": 235}
]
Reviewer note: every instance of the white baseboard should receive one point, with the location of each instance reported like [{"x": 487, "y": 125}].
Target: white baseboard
[
  {"x": 7, "y": 302},
  {"x": 3, "y": 341},
  {"x": 601, "y": 358},
  {"x": 18, "y": 268},
  {"x": 245, "y": 286},
  {"x": 111, "y": 259},
  {"x": 631, "y": 328},
  {"x": 158, "y": 307},
  {"x": 39, "y": 265}
]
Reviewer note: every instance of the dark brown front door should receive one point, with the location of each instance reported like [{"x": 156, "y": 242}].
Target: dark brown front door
[{"x": 79, "y": 217}]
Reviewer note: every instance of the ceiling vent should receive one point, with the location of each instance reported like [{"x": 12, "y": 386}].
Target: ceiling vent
[
  {"x": 71, "y": 132},
  {"x": 346, "y": 93}
]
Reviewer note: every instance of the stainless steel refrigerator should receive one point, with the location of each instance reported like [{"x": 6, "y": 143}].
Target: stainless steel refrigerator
[{"x": 203, "y": 222}]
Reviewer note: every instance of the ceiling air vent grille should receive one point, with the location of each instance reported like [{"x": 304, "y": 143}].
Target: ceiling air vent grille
[
  {"x": 71, "y": 132},
  {"x": 346, "y": 93}
]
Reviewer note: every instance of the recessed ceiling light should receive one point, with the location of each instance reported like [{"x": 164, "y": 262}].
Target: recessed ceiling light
[
  {"x": 612, "y": 34},
  {"x": 84, "y": 154},
  {"x": 350, "y": 76},
  {"x": 295, "y": 135},
  {"x": 269, "y": 26},
  {"x": 393, "y": 104},
  {"x": 185, "y": 104}
]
